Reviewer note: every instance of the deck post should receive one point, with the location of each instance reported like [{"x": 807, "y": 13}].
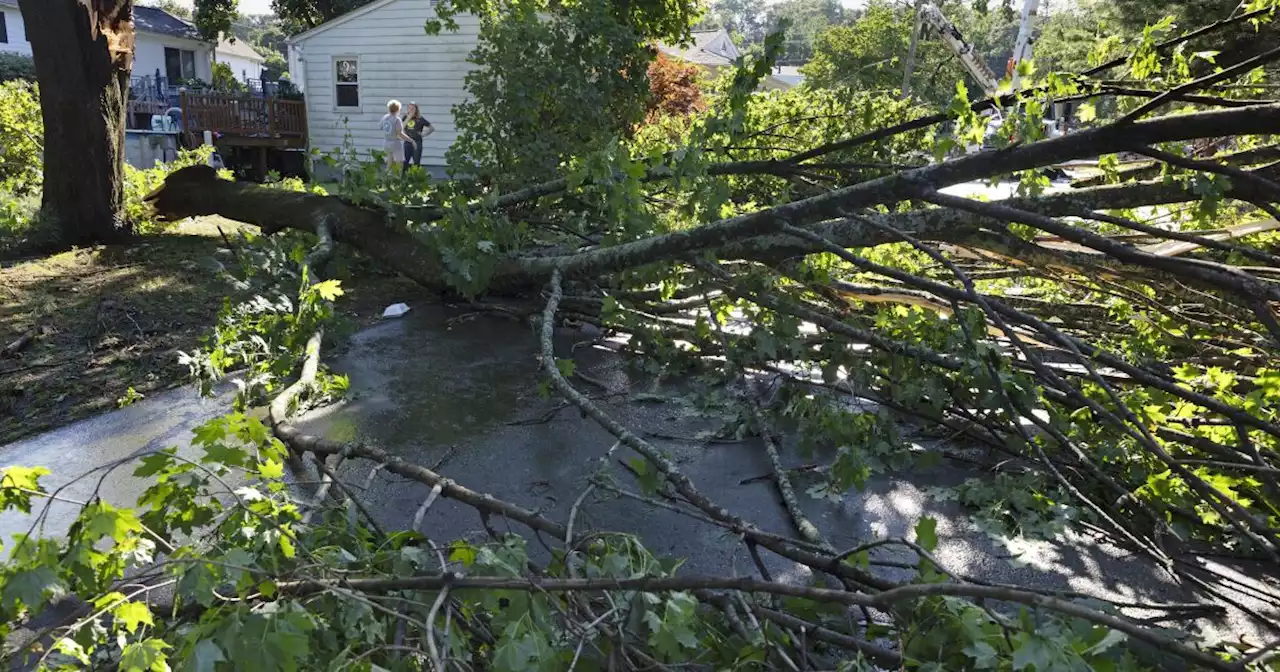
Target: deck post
[
  {"x": 261, "y": 168},
  {"x": 182, "y": 108}
]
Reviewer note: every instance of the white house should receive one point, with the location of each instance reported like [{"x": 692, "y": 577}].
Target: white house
[
  {"x": 13, "y": 33},
  {"x": 245, "y": 63},
  {"x": 351, "y": 66},
  {"x": 163, "y": 44}
]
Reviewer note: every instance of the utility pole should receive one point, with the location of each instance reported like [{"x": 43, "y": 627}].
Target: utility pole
[{"x": 911, "y": 51}]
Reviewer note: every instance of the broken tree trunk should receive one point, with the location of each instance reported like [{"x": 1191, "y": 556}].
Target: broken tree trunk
[{"x": 83, "y": 52}]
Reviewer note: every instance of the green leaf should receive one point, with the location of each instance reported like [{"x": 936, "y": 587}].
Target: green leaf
[
  {"x": 100, "y": 520},
  {"x": 286, "y": 547},
  {"x": 927, "y": 533},
  {"x": 328, "y": 289},
  {"x": 1036, "y": 652},
  {"x": 29, "y": 587},
  {"x": 205, "y": 657},
  {"x": 1113, "y": 638},
  {"x": 144, "y": 656},
  {"x": 133, "y": 614},
  {"x": 268, "y": 589},
  {"x": 984, "y": 656},
  {"x": 271, "y": 469},
  {"x": 154, "y": 464},
  {"x": 461, "y": 551},
  {"x": 1087, "y": 112},
  {"x": 15, "y": 482}
]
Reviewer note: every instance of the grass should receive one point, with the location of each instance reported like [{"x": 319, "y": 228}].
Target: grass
[{"x": 114, "y": 318}]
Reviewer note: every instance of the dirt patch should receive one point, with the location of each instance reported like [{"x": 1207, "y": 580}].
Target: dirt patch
[{"x": 101, "y": 321}]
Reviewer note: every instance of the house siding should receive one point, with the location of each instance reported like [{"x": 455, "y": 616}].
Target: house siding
[
  {"x": 148, "y": 47},
  {"x": 397, "y": 59},
  {"x": 17, "y": 30},
  {"x": 243, "y": 68},
  {"x": 148, "y": 55}
]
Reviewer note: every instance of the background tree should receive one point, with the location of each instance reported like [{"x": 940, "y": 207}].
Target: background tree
[
  {"x": 867, "y": 55},
  {"x": 806, "y": 19},
  {"x": 674, "y": 87},
  {"x": 1235, "y": 44},
  {"x": 171, "y": 6},
  {"x": 744, "y": 19},
  {"x": 215, "y": 17},
  {"x": 83, "y": 53}
]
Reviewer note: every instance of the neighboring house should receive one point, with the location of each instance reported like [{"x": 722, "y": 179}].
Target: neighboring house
[
  {"x": 164, "y": 43},
  {"x": 13, "y": 33},
  {"x": 245, "y": 63},
  {"x": 170, "y": 46},
  {"x": 351, "y": 66},
  {"x": 714, "y": 52}
]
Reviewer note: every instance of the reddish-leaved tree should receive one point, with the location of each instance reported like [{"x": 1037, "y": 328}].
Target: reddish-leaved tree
[{"x": 674, "y": 85}]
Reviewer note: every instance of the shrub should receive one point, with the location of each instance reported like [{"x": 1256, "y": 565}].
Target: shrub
[
  {"x": 17, "y": 66},
  {"x": 224, "y": 79},
  {"x": 21, "y": 138}
]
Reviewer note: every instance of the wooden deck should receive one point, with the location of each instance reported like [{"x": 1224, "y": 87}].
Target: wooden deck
[{"x": 244, "y": 121}]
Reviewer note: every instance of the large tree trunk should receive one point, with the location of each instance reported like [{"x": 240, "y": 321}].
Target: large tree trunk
[{"x": 83, "y": 53}]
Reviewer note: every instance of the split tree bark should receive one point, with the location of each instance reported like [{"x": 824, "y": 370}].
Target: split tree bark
[{"x": 83, "y": 52}]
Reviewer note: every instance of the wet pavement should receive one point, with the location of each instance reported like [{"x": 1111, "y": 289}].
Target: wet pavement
[{"x": 467, "y": 400}]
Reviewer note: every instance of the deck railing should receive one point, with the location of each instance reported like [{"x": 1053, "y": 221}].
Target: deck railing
[{"x": 244, "y": 116}]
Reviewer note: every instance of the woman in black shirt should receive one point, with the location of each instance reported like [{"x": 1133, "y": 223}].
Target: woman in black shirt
[{"x": 415, "y": 126}]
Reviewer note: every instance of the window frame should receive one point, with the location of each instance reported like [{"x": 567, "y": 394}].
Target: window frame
[
  {"x": 337, "y": 106},
  {"x": 182, "y": 77},
  {"x": 4, "y": 28}
]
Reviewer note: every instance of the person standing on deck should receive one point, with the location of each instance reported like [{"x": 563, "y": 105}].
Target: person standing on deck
[
  {"x": 417, "y": 127},
  {"x": 394, "y": 138}
]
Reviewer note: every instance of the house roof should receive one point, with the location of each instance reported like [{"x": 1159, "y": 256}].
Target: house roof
[
  {"x": 239, "y": 49},
  {"x": 150, "y": 20},
  {"x": 160, "y": 22},
  {"x": 700, "y": 51}
]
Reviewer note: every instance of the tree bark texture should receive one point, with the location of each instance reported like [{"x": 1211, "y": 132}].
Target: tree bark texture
[{"x": 83, "y": 52}]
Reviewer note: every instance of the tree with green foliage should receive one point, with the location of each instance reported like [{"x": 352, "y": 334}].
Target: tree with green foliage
[
  {"x": 1109, "y": 355},
  {"x": 170, "y": 6},
  {"x": 217, "y": 17},
  {"x": 554, "y": 82},
  {"x": 805, "y": 19},
  {"x": 17, "y": 66},
  {"x": 21, "y": 138},
  {"x": 869, "y": 54},
  {"x": 744, "y": 19}
]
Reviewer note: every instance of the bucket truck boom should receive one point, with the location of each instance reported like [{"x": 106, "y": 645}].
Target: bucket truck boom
[{"x": 931, "y": 16}]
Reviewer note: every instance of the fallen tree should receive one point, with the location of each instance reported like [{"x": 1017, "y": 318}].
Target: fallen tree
[{"x": 1109, "y": 350}]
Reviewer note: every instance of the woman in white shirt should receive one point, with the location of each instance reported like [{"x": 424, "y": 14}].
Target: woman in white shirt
[{"x": 393, "y": 135}]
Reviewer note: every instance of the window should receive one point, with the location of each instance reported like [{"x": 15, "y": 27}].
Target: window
[
  {"x": 346, "y": 80},
  {"x": 4, "y": 28},
  {"x": 179, "y": 64}
]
